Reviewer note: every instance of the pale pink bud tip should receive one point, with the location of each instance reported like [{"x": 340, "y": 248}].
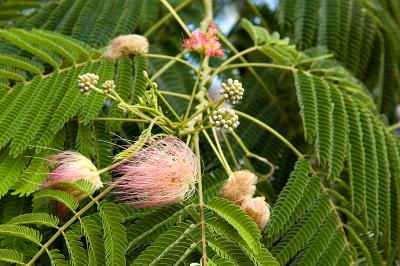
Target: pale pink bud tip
[
  {"x": 205, "y": 43},
  {"x": 162, "y": 172},
  {"x": 70, "y": 167},
  {"x": 258, "y": 210},
  {"x": 132, "y": 44},
  {"x": 240, "y": 185}
]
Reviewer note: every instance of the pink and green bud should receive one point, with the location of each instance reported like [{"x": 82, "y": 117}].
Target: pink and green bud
[
  {"x": 164, "y": 171},
  {"x": 70, "y": 167}
]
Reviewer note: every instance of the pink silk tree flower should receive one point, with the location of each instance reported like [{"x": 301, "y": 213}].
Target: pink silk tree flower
[
  {"x": 70, "y": 167},
  {"x": 205, "y": 43},
  {"x": 162, "y": 172},
  {"x": 258, "y": 210}
]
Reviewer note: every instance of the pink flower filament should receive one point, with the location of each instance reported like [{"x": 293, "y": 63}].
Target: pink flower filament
[{"x": 161, "y": 173}]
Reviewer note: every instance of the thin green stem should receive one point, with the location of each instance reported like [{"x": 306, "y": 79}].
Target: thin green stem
[
  {"x": 175, "y": 94},
  {"x": 166, "y": 17},
  {"x": 173, "y": 58},
  {"x": 360, "y": 243},
  {"x": 260, "y": 81},
  {"x": 176, "y": 16},
  {"x": 266, "y": 65},
  {"x": 167, "y": 104},
  {"x": 211, "y": 143},
  {"x": 201, "y": 203},
  {"x": 213, "y": 105},
  {"x": 229, "y": 172},
  {"x": 195, "y": 130},
  {"x": 272, "y": 131},
  {"x": 196, "y": 83},
  {"x": 166, "y": 66},
  {"x": 249, "y": 154},
  {"x": 230, "y": 149},
  {"x": 231, "y": 59},
  {"x": 393, "y": 127},
  {"x": 121, "y": 119}
]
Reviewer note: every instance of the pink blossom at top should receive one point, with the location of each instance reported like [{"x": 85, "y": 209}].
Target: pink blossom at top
[
  {"x": 70, "y": 167},
  {"x": 205, "y": 43},
  {"x": 163, "y": 172}
]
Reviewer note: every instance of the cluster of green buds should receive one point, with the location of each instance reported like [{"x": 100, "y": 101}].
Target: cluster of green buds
[
  {"x": 87, "y": 81},
  {"x": 108, "y": 85},
  {"x": 225, "y": 118},
  {"x": 232, "y": 91}
]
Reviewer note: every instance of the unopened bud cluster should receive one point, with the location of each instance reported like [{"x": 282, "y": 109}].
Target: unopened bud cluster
[
  {"x": 87, "y": 81},
  {"x": 225, "y": 118},
  {"x": 232, "y": 91},
  {"x": 108, "y": 85}
]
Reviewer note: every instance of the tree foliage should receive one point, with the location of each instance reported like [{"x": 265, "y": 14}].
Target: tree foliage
[{"x": 318, "y": 126}]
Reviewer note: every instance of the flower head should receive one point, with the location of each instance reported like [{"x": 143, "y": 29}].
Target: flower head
[
  {"x": 258, "y": 210},
  {"x": 205, "y": 43},
  {"x": 240, "y": 185},
  {"x": 162, "y": 172},
  {"x": 108, "y": 85},
  {"x": 87, "y": 81},
  {"x": 70, "y": 167},
  {"x": 225, "y": 118},
  {"x": 131, "y": 44},
  {"x": 232, "y": 91}
]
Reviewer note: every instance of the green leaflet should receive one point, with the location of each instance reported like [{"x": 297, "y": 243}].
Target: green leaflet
[
  {"x": 11, "y": 256},
  {"x": 307, "y": 102},
  {"x": 245, "y": 226},
  {"x": 289, "y": 198},
  {"x": 35, "y": 218},
  {"x": 356, "y": 158},
  {"x": 302, "y": 231},
  {"x": 19, "y": 231},
  {"x": 115, "y": 241}
]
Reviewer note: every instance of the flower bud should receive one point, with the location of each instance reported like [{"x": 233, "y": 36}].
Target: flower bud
[
  {"x": 86, "y": 82},
  {"x": 108, "y": 85},
  {"x": 70, "y": 167},
  {"x": 225, "y": 118},
  {"x": 240, "y": 185},
  {"x": 232, "y": 91},
  {"x": 131, "y": 44},
  {"x": 258, "y": 210}
]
